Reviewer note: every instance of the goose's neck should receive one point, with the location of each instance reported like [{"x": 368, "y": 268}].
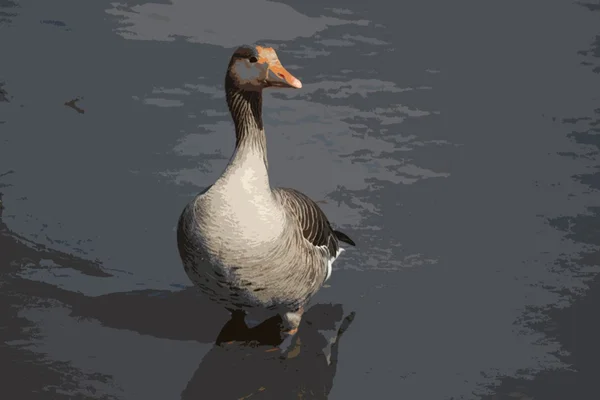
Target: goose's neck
[
  {"x": 249, "y": 161},
  {"x": 246, "y": 111}
]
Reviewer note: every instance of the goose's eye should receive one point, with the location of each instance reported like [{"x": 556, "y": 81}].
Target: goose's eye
[{"x": 253, "y": 59}]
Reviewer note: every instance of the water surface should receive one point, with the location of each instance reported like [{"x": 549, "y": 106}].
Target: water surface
[{"x": 457, "y": 144}]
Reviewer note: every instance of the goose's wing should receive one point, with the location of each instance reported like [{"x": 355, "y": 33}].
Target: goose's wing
[
  {"x": 186, "y": 220},
  {"x": 315, "y": 226}
]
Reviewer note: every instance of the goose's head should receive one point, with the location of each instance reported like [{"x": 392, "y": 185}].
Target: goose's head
[{"x": 254, "y": 68}]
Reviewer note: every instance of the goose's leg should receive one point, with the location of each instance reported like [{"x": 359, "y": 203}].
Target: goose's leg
[
  {"x": 291, "y": 321},
  {"x": 291, "y": 348}
]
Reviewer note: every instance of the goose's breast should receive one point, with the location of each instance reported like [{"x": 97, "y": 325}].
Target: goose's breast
[{"x": 237, "y": 225}]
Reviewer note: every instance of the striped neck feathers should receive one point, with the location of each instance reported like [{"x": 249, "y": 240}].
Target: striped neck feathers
[{"x": 246, "y": 111}]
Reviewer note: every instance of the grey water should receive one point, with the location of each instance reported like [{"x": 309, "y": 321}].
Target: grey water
[{"x": 456, "y": 142}]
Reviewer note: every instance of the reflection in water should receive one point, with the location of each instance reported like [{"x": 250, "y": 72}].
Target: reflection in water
[{"x": 306, "y": 371}]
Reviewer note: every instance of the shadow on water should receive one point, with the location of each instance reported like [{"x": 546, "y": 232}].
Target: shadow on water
[
  {"x": 115, "y": 310},
  {"x": 575, "y": 327},
  {"x": 306, "y": 370},
  {"x": 26, "y": 375},
  {"x": 31, "y": 375}
]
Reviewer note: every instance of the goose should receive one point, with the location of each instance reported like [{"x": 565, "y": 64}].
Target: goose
[{"x": 246, "y": 245}]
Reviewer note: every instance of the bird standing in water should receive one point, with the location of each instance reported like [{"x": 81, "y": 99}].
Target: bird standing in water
[{"x": 246, "y": 245}]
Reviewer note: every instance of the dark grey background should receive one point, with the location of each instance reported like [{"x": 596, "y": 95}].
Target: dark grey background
[{"x": 456, "y": 142}]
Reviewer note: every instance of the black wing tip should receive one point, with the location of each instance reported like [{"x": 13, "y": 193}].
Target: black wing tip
[{"x": 344, "y": 238}]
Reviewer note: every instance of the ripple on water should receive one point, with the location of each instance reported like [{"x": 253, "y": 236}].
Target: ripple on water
[
  {"x": 342, "y": 132},
  {"x": 220, "y": 26},
  {"x": 327, "y": 149}
]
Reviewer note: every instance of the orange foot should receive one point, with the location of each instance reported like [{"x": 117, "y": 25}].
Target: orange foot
[
  {"x": 292, "y": 332},
  {"x": 272, "y": 350}
]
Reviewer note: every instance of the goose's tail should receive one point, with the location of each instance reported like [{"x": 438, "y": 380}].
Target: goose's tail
[{"x": 344, "y": 238}]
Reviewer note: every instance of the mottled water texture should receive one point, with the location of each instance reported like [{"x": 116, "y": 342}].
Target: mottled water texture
[{"x": 456, "y": 142}]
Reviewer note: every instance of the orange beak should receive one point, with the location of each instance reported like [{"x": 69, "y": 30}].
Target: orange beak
[{"x": 278, "y": 76}]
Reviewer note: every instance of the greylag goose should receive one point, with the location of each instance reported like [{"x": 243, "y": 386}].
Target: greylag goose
[{"x": 248, "y": 246}]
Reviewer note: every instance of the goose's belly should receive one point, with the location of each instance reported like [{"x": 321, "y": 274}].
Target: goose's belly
[{"x": 229, "y": 252}]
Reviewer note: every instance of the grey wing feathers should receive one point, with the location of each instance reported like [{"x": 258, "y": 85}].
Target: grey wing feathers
[
  {"x": 183, "y": 240},
  {"x": 315, "y": 226}
]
